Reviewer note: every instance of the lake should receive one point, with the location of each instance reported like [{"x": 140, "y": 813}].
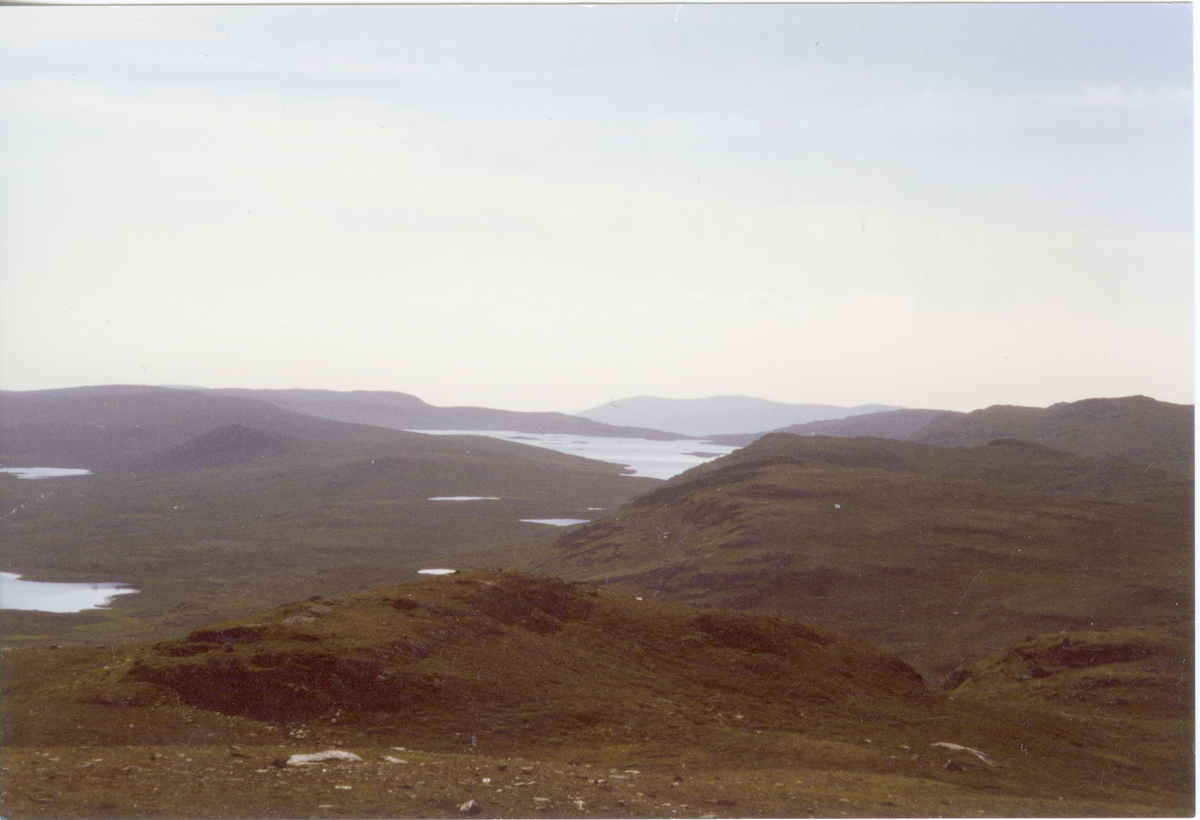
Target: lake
[
  {"x": 643, "y": 457},
  {"x": 46, "y": 596}
]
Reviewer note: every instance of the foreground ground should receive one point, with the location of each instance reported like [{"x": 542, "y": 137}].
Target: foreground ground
[
  {"x": 533, "y": 697},
  {"x": 241, "y": 782}
]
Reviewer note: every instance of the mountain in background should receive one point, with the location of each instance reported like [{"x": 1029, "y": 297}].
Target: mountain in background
[
  {"x": 718, "y": 414},
  {"x": 1145, "y": 431},
  {"x": 402, "y": 411}
]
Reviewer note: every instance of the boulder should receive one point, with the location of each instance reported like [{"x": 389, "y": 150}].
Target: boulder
[{"x": 323, "y": 757}]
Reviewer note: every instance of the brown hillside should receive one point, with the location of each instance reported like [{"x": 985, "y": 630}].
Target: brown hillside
[
  {"x": 1145, "y": 671},
  {"x": 899, "y": 424},
  {"x": 939, "y": 554},
  {"x": 1145, "y": 431}
]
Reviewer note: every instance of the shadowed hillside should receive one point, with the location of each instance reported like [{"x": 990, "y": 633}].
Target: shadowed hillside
[
  {"x": 528, "y": 695},
  {"x": 901, "y": 424},
  {"x": 1147, "y": 432},
  {"x": 115, "y": 426},
  {"x": 224, "y": 447},
  {"x": 939, "y": 554}
]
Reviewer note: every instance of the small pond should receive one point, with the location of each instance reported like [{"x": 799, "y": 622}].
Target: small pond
[
  {"x": 35, "y": 473},
  {"x": 465, "y": 498},
  {"x": 556, "y": 522},
  {"x": 46, "y": 596}
]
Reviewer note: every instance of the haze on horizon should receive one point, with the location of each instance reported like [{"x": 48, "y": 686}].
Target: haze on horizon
[{"x": 548, "y": 207}]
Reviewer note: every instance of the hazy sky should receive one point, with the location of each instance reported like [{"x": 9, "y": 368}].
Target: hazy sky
[{"x": 547, "y": 207}]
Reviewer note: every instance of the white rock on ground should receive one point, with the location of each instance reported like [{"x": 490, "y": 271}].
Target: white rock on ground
[
  {"x": 323, "y": 757},
  {"x": 957, "y": 748}
]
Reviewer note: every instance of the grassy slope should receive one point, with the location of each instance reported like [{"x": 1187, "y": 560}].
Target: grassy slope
[
  {"x": 1145, "y": 670},
  {"x": 938, "y": 554},
  {"x": 632, "y": 708},
  {"x": 214, "y": 506}
]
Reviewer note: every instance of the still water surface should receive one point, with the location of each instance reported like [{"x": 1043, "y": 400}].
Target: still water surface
[
  {"x": 465, "y": 498},
  {"x": 35, "y": 473},
  {"x": 556, "y": 522},
  {"x": 643, "y": 457},
  {"x": 46, "y": 596}
]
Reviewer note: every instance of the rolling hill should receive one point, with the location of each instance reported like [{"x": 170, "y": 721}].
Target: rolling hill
[
  {"x": 717, "y": 414},
  {"x": 1145, "y": 431},
  {"x": 116, "y": 426},
  {"x": 938, "y": 554}
]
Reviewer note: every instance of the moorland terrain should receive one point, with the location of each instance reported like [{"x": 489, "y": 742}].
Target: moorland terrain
[
  {"x": 939, "y": 554},
  {"x": 811, "y": 626},
  {"x": 214, "y": 506}
]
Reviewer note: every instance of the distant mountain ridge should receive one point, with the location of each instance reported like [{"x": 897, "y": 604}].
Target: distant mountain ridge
[
  {"x": 718, "y": 414},
  {"x": 402, "y": 411},
  {"x": 1143, "y": 430}
]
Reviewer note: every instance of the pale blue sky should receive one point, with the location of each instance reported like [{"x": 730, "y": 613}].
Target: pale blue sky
[{"x": 545, "y": 207}]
